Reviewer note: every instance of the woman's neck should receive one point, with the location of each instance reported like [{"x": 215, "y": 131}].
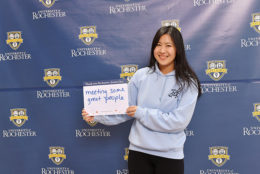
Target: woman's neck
[{"x": 166, "y": 69}]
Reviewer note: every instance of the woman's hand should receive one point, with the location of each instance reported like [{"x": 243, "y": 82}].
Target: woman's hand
[
  {"x": 86, "y": 117},
  {"x": 130, "y": 111}
]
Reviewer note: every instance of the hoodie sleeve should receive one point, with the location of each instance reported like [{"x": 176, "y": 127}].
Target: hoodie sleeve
[
  {"x": 117, "y": 119},
  {"x": 170, "y": 122},
  {"x": 110, "y": 120}
]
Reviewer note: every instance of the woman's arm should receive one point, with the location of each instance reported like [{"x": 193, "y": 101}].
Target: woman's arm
[{"x": 170, "y": 122}]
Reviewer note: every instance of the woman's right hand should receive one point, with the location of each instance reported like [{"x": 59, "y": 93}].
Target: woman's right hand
[{"x": 86, "y": 117}]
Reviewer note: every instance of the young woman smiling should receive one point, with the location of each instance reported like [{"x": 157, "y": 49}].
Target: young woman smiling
[{"x": 162, "y": 99}]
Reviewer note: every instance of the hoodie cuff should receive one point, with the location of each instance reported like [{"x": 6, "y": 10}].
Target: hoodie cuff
[
  {"x": 95, "y": 119},
  {"x": 139, "y": 112}
]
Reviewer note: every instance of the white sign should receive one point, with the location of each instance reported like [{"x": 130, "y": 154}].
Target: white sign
[{"x": 105, "y": 97}]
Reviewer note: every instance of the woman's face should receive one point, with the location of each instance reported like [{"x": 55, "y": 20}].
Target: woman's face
[{"x": 165, "y": 53}]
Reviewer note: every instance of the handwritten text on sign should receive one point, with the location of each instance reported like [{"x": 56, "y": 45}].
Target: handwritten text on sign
[{"x": 106, "y": 97}]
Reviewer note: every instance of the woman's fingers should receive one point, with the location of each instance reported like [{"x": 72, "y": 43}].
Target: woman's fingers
[
  {"x": 86, "y": 117},
  {"x": 89, "y": 118},
  {"x": 84, "y": 113},
  {"x": 130, "y": 111}
]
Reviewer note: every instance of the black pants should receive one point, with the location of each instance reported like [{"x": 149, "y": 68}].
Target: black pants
[{"x": 141, "y": 163}]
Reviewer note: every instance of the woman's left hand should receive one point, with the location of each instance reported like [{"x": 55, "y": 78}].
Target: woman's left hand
[{"x": 130, "y": 111}]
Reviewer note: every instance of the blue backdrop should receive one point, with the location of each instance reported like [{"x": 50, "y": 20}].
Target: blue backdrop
[{"x": 48, "y": 48}]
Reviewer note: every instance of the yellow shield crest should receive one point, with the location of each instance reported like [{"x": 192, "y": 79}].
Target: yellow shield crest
[
  {"x": 256, "y": 22},
  {"x": 256, "y": 112},
  {"x": 88, "y": 34},
  {"x": 52, "y": 76},
  {"x": 219, "y": 155},
  {"x": 14, "y": 39},
  {"x": 127, "y": 71},
  {"x": 92, "y": 123},
  {"x": 18, "y": 116},
  {"x": 126, "y": 154},
  {"x": 57, "y": 155},
  {"x": 216, "y": 69},
  {"x": 174, "y": 23},
  {"x": 47, "y": 3}
]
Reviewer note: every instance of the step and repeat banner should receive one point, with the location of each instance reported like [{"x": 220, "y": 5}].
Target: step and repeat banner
[{"x": 49, "y": 48}]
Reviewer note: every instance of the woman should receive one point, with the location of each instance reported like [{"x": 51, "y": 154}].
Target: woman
[{"x": 162, "y": 99}]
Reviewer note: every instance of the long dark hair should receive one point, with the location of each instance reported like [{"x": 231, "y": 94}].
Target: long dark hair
[{"x": 183, "y": 72}]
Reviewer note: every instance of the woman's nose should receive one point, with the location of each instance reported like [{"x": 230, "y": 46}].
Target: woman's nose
[{"x": 162, "y": 50}]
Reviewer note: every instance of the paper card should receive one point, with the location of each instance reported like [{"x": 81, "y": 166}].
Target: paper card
[{"x": 106, "y": 97}]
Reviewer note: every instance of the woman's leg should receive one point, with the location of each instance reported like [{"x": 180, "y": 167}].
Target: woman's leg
[
  {"x": 169, "y": 166},
  {"x": 139, "y": 163}
]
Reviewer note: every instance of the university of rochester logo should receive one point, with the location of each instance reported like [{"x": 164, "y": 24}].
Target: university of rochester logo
[
  {"x": 52, "y": 76},
  {"x": 47, "y": 3},
  {"x": 127, "y": 8},
  {"x": 14, "y": 39},
  {"x": 255, "y": 22},
  {"x": 198, "y": 3},
  {"x": 49, "y": 13},
  {"x": 216, "y": 69},
  {"x": 256, "y": 112},
  {"x": 174, "y": 23},
  {"x": 57, "y": 154},
  {"x": 18, "y": 116},
  {"x": 127, "y": 71},
  {"x": 126, "y": 154},
  {"x": 88, "y": 34},
  {"x": 124, "y": 171},
  {"x": 219, "y": 155}
]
